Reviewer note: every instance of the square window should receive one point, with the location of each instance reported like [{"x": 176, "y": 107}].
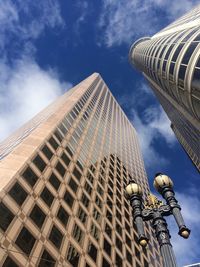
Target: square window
[
  {"x": 6, "y": 217},
  {"x": 54, "y": 181},
  {"x": 105, "y": 263},
  {"x": 56, "y": 237},
  {"x": 73, "y": 256},
  {"x": 46, "y": 260},
  {"x": 107, "y": 247},
  {"x": 96, "y": 215},
  {"x": 77, "y": 174},
  {"x": 65, "y": 158},
  {"x": 73, "y": 185},
  {"x": 63, "y": 216},
  {"x": 94, "y": 231},
  {"x": 25, "y": 241},
  {"x": 92, "y": 251},
  {"x": 118, "y": 260},
  {"x": 30, "y": 176},
  {"x": 68, "y": 199},
  {"x": 77, "y": 234},
  {"x": 53, "y": 143},
  {"x": 88, "y": 188},
  {"x": 18, "y": 193},
  {"x": 129, "y": 257},
  {"x": 38, "y": 216},
  {"x": 47, "y": 152},
  {"x": 85, "y": 200},
  {"x": 60, "y": 168},
  {"x": 47, "y": 196},
  {"x": 82, "y": 215},
  {"x": 108, "y": 230},
  {"x": 9, "y": 263},
  {"x": 118, "y": 243},
  {"x": 39, "y": 163},
  {"x": 109, "y": 215}
]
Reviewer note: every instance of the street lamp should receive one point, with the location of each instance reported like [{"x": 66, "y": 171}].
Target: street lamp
[{"x": 155, "y": 210}]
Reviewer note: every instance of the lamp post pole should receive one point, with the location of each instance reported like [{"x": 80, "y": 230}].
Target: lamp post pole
[{"x": 155, "y": 210}]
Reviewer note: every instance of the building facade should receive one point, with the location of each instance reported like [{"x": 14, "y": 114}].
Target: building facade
[
  {"x": 62, "y": 186},
  {"x": 170, "y": 61}
]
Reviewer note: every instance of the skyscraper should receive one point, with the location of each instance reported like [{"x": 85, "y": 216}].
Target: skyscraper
[
  {"x": 170, "y": 61},
  {"x": 62, "y": 186}
]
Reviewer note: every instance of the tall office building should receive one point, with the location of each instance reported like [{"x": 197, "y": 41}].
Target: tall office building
[
  {"x": 170, "y": 61},
  {"x": 62, "y": 186}
]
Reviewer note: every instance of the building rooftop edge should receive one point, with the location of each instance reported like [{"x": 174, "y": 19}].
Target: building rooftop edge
[{"x": 140, "y": 40}]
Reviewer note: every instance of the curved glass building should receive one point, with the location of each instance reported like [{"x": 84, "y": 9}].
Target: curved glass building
[{"x": 170, "y": 61}]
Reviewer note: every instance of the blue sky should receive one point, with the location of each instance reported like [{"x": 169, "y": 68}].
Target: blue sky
[{"x": 48, "y": 46}]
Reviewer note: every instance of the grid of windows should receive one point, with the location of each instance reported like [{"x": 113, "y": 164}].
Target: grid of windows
[
  {"x": 76, "y": 185},
  {"x": 170, "y": 61}
]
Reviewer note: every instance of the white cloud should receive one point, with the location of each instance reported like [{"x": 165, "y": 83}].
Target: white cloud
[
  {"x": 187, "y": 250},
  {"x": 124, "y": 21},
  {"x": 25, "y": 89},
  {"x": 154, "y": 125},
  {"x": 21, "y": 22}
]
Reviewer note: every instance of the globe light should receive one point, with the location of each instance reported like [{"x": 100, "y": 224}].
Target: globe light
[
  {"x": 161, "y": 181},
  {"x": 133, "y": 188}
]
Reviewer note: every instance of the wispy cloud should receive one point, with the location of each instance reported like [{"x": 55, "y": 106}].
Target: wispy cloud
[
  {"x": 21, "y": 22},
  {"x": 124, "y": 21},
  {"x": 187, "y": 251},
  {"x": 151, "y": 127},
  {"x": 25, "y": 89}
]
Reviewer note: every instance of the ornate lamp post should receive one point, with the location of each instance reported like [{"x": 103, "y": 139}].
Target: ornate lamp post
[{"x": 155, "y": 210}]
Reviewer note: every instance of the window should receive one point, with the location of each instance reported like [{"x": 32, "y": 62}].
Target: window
[
  {"x": 73, "y": 256},
  {"x": 88, "y": 188},
  {"x": 129, "y": 257},
  {"x": 109, "y": 215},
  {"x": 63, "y": 216},
  {"x": 54, "y": 181},
  {"x": 98, "y": 202},
  {"x": 46, "y": 260},
  {"x": 77, "y": 233},
  {"x": 53, "y": 143},
  {"x": 47, "y": 196},
  {"x": 56, "y": 237},
  {"x": 39, "y": 163},
  {"x": 65, "y": 158},
  {"x": 128, "y": 241},
  {"x": 94, "y": 231},
  {"x": 108, "y": 230},
  {"x": 6, "y": 217},
  {"x": 118, "y": 260},
  {"x": 96, "y": 215},
  {"x": 118, "y": 243},
  {"x": 73, "y": 185},
  {"x": 105, "y": 263},
  {"x": 18, "y": 193},
  {"x": 76, "y": 173},
  {"x": 68, "y": 199},
  {"x": 85, "y": 200},
  {"x": 60, "y": 168},
  {"x": 92, "y": 251},
  {"x": 25, "y": 241},
  {"x": 137, "y": 254},
  {"x": 82, "y": 215},
  {"x": 107, "y": 247},
  {"x": 9, "y": 263},
  {"x": 119, "y": 229},
  {"x": 38, "y": 216},
  {"x": 30, "y": 176},
  {"x": 47, "y": 152}
]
